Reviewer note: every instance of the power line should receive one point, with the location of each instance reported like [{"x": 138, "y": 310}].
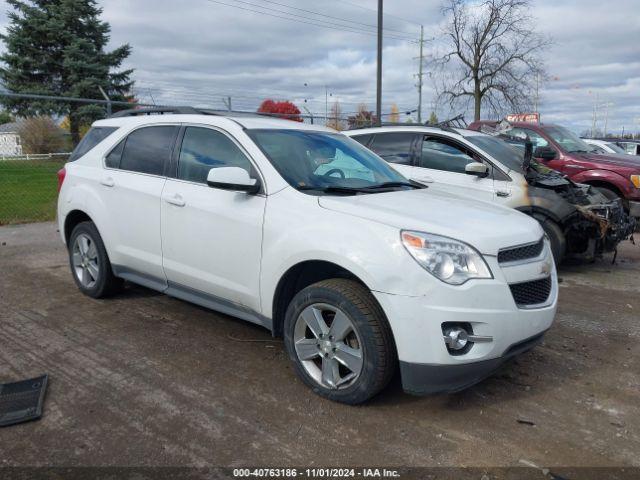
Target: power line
[
  {"x": 330, "y": 26},
  {"x": 344, "y": 2},
  {"x": 330, "y": 16}
]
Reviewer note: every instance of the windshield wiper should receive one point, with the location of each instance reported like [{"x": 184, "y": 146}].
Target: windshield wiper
[
  {"x": 334, "y": 189},
  {"x": 410, "y": 183}
]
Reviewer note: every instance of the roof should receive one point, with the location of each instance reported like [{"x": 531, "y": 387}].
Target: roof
[
  {"x": 11, "y": 127},
  {"x": 412, "y": 128},
  {"x": 246, "y": 121}
]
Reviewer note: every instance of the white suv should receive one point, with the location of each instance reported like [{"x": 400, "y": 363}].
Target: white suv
[{"x": 302, "y": 230}]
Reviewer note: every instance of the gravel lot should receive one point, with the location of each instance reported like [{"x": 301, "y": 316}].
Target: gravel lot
[{"x": 144, "y": 379}]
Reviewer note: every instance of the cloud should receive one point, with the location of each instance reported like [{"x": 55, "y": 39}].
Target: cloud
[{"x": 199, "y": 52}]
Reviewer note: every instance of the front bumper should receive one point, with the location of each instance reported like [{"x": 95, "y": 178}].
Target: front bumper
[
  {"x": 488, "y": 306},
  {"x": 425, "y": 379}
]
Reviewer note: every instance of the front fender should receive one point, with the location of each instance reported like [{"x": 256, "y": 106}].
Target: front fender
[
  {"x": 547, "y": 202},
  {"x": 605, "y": 176},
  {"x": 371, "y": 251}
]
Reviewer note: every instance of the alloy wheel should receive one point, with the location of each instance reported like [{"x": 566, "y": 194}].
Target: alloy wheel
[
  {"x": 85, "y": 260},
  {"x": 327, "y": 345}
]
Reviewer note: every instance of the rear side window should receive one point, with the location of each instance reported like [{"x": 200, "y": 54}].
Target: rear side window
[
  {"x": 394, "y": 147},
  {"x": 92, "y": 138},
  {"x": 145, "y": 150}
]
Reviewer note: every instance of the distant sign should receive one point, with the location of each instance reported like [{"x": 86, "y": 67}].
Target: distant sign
[{"x": 523, "y": 117}]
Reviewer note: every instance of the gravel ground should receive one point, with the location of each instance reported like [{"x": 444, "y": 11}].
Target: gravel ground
[{"x": 147, "y": 380}]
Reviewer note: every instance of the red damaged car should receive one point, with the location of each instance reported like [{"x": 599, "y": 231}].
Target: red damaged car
[{"x": 617, "y": 176}]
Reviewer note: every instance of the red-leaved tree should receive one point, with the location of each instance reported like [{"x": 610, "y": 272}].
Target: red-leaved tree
[{"x": 284, "y": 109}]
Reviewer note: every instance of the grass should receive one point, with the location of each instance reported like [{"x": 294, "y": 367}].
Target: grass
[{"x": 28, "y": 190}]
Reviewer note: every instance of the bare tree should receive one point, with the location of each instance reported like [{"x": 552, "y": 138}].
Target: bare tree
[
  {"x": 493, "y": 56},
  {"x": 335, "y": 117}
]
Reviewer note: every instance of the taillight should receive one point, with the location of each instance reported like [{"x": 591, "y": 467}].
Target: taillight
[{"x": 61, "y": 174}]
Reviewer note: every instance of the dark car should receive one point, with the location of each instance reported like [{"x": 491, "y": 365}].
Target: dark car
[{"x": 616, "y": 176}]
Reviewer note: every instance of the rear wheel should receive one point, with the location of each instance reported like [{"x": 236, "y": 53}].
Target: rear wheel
[
  {"x": 339, "y": 341},
  {"x": 89, "y": 262},
  {"x": 556, "y": 236}
]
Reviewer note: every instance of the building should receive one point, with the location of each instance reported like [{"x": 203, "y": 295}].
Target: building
[{"x": 10, "y": 144}]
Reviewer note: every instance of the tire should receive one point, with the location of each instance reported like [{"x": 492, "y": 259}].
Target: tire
[
  {"x": 369, "y": 335},
  {"x": 556, "y": 237},
  {"x": 89, "y": 262},
  {"x": 610, "y": 194}
]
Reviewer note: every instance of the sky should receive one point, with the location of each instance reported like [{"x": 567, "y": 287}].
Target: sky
[{"x": 199, "y": 52}]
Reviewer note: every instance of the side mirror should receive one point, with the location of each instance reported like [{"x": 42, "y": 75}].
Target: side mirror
[
  {"x": 233, "y": 178},
  {"x": 545, "y": 153},
  {"x": 476, "y": 168}
]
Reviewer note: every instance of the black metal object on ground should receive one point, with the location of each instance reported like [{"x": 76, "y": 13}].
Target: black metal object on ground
[{"x": 22, "y": 401}]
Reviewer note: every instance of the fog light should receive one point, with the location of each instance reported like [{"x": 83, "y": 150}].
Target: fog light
[{"x": 456, "y": 338}]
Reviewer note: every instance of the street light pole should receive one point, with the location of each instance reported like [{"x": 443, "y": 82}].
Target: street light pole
[{"x": 379, "y": 72}]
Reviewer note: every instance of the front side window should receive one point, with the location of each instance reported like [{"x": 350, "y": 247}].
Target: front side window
[
  {"x": 510, "y": 155},
  {"x": 394, "y": 147},
  {"x": 92, "y": 138},
  {"x": 310, "y": 160},
  {"x": 203, "y": 149},
  {"x": 147, "y": 149},
  {"x": 440, "y": 154}
]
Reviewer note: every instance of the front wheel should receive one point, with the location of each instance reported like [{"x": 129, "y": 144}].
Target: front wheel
[
  {"x": 556, "y": 236},
  {"x": 339, "y": 341}
]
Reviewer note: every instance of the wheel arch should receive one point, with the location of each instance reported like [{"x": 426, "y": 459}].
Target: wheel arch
[
  {"x": 300, "y": 276},
  {"x": 73, "y": 218}
]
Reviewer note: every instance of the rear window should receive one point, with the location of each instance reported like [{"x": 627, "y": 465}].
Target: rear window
[
  {"x": 148, "y": 149},
  {"x": 92, "y": 138}
]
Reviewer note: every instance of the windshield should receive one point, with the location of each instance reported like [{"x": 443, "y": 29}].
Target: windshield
[
  {"x": 310, "y": 160},
  {"x": 506, "y": 154},
  {"x": 568, "y": 140},
  {"x": 616, "y": 148}
]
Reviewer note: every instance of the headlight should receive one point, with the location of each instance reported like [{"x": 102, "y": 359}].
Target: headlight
[
  {"x": 447, "y": 259},
  {"x": 635, "y": 179}
]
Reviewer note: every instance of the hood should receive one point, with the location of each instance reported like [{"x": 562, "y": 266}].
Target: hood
[
  {"x": 485, "y": 226},
  {"x": 611, "y": 159}
]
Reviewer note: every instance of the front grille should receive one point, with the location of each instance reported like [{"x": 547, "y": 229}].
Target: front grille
[
  {"x": 521, "y": 253},
  {"x": 531, "y": 293}
]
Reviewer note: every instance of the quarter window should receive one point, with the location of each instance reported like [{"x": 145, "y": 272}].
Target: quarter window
[
  {"x": 393, "y": 147},
  {"x": 147, "y": 149},
  {"x": 442, "y": 155},
  {"x": 92, "y": 138},
  {"x": 203, "y": 149}
]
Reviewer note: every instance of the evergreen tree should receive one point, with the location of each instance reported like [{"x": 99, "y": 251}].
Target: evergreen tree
[
  {"x": 57, "y": 47},
  {"x": 433, "y": 119}
]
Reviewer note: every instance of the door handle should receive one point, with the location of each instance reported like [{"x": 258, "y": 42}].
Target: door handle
[
  {"x": 503, "y": 193},
  {"x": 176, "y": 200},
  {"x": 107, "y": 182}
]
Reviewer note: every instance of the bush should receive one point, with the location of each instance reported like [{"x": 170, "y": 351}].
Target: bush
[{"x": 42, "y": 135}]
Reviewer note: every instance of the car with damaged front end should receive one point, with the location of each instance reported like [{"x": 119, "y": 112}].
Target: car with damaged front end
[{"x": 579, "y": 220}]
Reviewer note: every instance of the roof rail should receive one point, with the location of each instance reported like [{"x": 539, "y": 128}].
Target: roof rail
[{"x": 133, "y": 112}]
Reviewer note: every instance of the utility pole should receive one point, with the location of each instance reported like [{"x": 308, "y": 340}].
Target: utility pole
[
  {"x": 379, "y": 72},
  {"x": 595, "y": 113},
  {"x": 535, "y": 106},
  {"x": 106, "y": 97},
  {"x": 227, "y": 103},
  {"x": 421, "y": 74},
  {"x": 606, "y": 116}
]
